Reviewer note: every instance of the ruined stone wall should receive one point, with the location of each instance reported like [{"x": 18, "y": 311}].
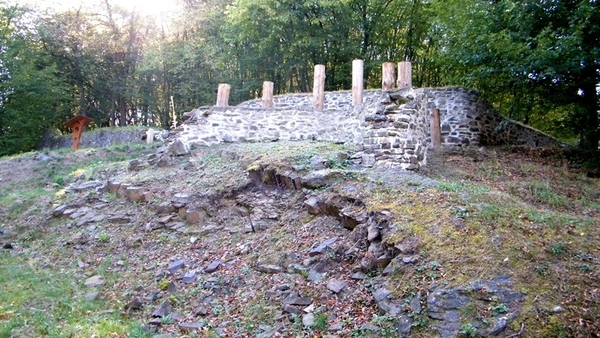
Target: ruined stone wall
[
  {"x": 389, "y": 129},
  {"x": 98, "y": 138},
  {"x": 292, "y": 118}
]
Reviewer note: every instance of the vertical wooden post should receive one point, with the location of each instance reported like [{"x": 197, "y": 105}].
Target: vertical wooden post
[
  {"x": 435, "y": 128},
  {"x": 319, "y": 87},
  {"x": 267, "y": 94},
  {"x": 150, "y": 136},
  {"x": 387, "y": 76},
  {"x": 404, "y": 75},
  {"x": 357, "y": 82},
  {"x": 174, "y": 114},
  {"x": 223, "y": 95}
]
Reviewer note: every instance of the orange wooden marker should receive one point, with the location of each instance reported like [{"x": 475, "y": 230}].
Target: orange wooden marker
[{"x": 77, "y": 124}]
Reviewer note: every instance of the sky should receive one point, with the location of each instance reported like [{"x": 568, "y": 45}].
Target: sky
[{"x": 150, "y": 7}]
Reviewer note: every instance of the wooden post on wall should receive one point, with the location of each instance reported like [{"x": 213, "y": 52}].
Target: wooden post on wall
[
  {"x": 357, "y": 82},
  {"x": 435, "y": 128},
  {"x": 319, "y": 87},
  {"x": 223, "y": 95},
  {"x": 387, "y": 76},
  {"x": 404, "y": 75},
  {"x": 267, "y": 94}
]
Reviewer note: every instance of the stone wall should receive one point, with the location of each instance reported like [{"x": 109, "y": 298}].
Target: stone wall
[
  {"x": 389, "y": 129},
  {"x": 99, "y": 138},
  {"x": 292, "y": 118}
]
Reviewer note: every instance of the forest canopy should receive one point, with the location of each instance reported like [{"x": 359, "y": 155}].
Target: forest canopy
[{"x": 537, "y": 61}]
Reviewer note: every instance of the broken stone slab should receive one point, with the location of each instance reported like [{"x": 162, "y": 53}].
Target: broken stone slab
[
  {"x": 191, "y": 327},
  {"x": 336, "y": 286},
  {"x": 113, "y": 186},
  {"x": 308, "y": 320},
  {"x": 212, "y": 266},
  {"x": 189, "y": 277},
  {"x": 134, "y": 305},
  {"x": 195, "y": 216},
  {"x": 59, "y": 210},
  {"x": 163, "y": 310},
  {"x": 294, "y": 299},
  {"x": 80, "y": 212},
  {"x": 91, "y": 217},
  {"x": 135, "y": 194},
  {"x": 119, "y": 219},
  {"x": 172, "y": 288},
  {"x": 321, "y": 178},
  {"x": 312, "y": 205},
  {"x": 178, "y": 148},
  {"x": 318, "y": 249},
  {"x": 269, "y": 268},
  {"x": 178, "y": 317},
  {"x": 90, "y": 185},
  {"x": 164, "y": 208},
  {"x": 359, "y": 275},
  {"x": 91, "y": 296},
  {"x": 403, "y": 325},
  {"x": 165, "y": 219},
  {"x": 291, "y": 309},
  {"x": 136, "y": 165},
  {"x": 202, "y": 311},
  {"x": 176, "y": 265},
  {"x": 372, "y": 233},
  {"x": 94, "y": 281},
  {"x": 180, "y": 200}
]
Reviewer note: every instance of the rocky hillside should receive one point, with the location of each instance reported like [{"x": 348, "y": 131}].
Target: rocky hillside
[{"x": 292, "y": 239}]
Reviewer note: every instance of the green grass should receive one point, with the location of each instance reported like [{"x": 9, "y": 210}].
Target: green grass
[{"x": 37, "y": 302}]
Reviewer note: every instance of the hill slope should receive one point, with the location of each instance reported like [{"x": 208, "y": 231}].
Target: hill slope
[{"x": 289, "y": 239}]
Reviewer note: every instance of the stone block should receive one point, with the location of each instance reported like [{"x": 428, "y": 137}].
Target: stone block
[{"x": 135, "y": 194}]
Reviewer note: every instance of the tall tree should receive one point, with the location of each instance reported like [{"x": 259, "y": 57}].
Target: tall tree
[
  {"x": 533, "y": 52},
  {"x": 31, "y": 95}
]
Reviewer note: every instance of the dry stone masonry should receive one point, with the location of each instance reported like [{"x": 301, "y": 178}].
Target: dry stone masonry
[{"x": 389, "y": 129}]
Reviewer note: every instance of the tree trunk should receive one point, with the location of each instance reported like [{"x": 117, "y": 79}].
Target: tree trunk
[{"x": 590, "y": 134}]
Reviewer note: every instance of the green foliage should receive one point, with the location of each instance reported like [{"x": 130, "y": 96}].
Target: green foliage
[
  {"x": 39, "y": 302},
  {"x": 537, "y": 61},
  {"x": 31, "y": 95}
]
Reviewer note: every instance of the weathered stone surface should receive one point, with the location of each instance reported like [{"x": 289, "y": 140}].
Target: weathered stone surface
[
  {"x": 86, "y": 186},
  {"x": 135, "y": 194},
  {"x": 336, "y": 286},
  {"x": 163, "y": 310},
  {"x": 319, "y": 248},
  {"x": 294, "y": 299},
  {"x": 180, "y": 200},
  {"x": 191, "y": 327},
  {"x": 176, "y": 265},
  {"x": 308, "y": 320},
  {"x": 269, "y": 268},
  {"x": 136, "y": 165},
  {"x": 189, "y": 277},
  {"x": 373, "y": 233},
  {"x": 312, "y": 205},
  {"x": 164, "y": 208},
  {"x": 91, "y": 296},
  {"x": 94, "y": 281},
  {"x": 119, "y": 219},
  {"x": 195, "y": 216},
  {"x": 178, "y": 148},
  {"x": 359, "y": 275},
  {"x": 291, "y": 309},
  {"x": 113, "y": 186},
  {"x": 320, "y": 178},
  {"x": 134, "y": 304},
  {"x": 59, "y": 210},
  {"x": 212, "y": 266}
]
